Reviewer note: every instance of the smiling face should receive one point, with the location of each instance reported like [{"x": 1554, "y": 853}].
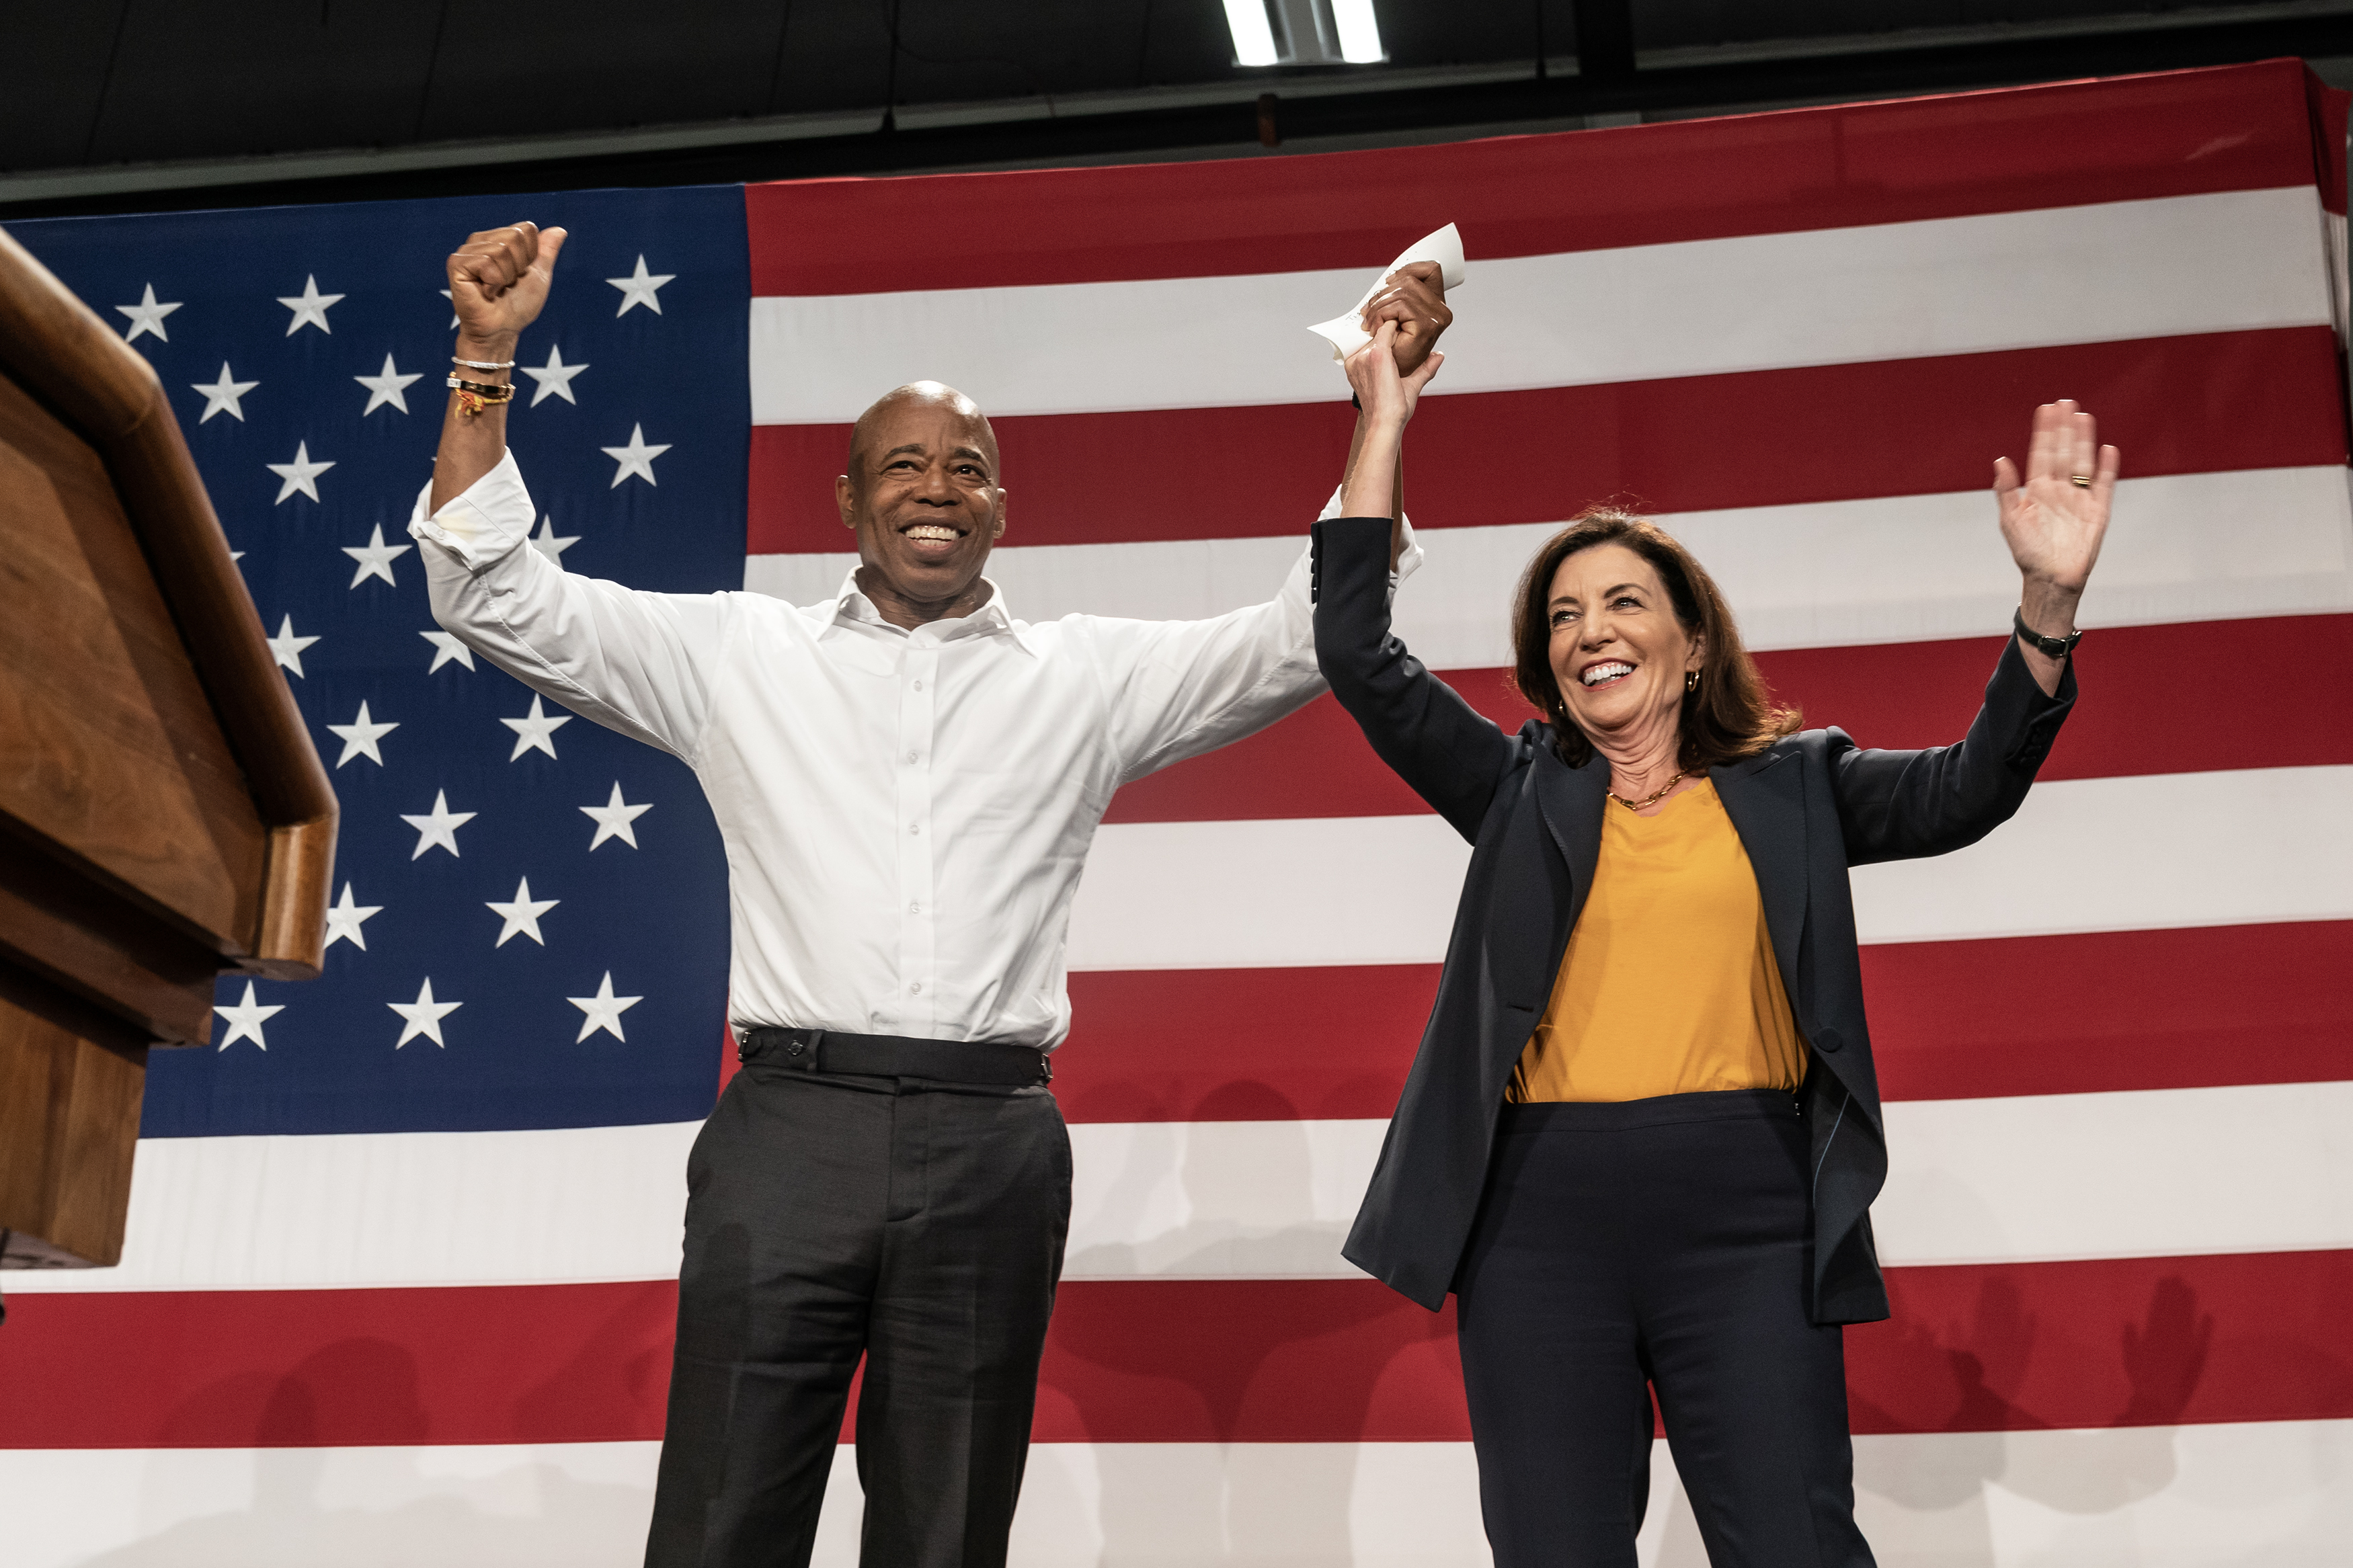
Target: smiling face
[
  {"x": 922, "y": 492},
  {"x": 1617, "y": 649}
]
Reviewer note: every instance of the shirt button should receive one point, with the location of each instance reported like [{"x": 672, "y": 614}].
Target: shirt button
[
  {"x": 915, "y": 827},
  {"x": 919, "y": 686},
  {"x": 914, "y": 988},
  {"x": 911, "y": 756},
  {"x": 914, "y": 909}
]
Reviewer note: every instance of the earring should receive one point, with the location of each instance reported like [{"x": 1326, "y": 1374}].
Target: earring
[{"x": 1690, "y": 680}]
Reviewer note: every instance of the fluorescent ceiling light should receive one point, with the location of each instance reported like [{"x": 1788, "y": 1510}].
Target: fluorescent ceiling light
[
  {"x": 1360, "y": 35},
  {"x": 1253, "y": 38}
]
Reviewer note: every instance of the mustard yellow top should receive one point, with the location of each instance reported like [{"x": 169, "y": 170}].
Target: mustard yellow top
[{"x": 1669, "y": 984}]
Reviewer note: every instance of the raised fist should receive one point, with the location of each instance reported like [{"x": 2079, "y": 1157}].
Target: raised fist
[{"x": 497, "y": 283}]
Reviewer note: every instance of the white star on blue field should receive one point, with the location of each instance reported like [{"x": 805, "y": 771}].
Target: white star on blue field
[{"x": 507, "y": 883}]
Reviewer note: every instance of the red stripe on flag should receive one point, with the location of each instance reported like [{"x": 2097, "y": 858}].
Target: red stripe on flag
[
  {"x": 2115, "y": 1342},
  {"x": 2132, "y": 715},
  {"x": 2123, "y": 1342},
  {"x": 1241, "y": 1045},
  {"x": 1248, "y": 1361},
  {"x": 2180, "y": 133},
  {"x": 2107, "y": 1010},
  {"x": 2128, "y": 721},
  {"x": 2112, "y": 1010},
  {"x": 2202, "y": 404},
  {"x": 277, "y": 1368}
]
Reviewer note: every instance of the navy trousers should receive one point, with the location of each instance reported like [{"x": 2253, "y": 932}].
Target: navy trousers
[
  {"x": 1654, "y": 1245},
  {"x": 917, "y": 1224}
]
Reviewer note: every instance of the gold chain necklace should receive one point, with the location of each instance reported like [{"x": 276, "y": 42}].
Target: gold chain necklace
[{"x": 1651, "y": 799}]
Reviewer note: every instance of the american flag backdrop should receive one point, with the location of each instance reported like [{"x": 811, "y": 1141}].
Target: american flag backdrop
[{"x": 399, "y": 1278}]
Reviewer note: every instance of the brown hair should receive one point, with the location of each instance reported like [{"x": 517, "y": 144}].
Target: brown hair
[{"x": 1728, "y": 716}]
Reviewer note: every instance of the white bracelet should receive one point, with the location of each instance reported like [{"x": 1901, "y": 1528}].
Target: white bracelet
[{"x": 482, "y": 364}]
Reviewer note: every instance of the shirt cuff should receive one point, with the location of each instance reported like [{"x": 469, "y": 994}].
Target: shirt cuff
[
  {"x": 488, "y": 519},
  {"x": 1409, "y": 559}
]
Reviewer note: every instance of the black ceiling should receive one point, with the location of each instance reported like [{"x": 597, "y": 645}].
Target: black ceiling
[{"x": 100, "y": 99}]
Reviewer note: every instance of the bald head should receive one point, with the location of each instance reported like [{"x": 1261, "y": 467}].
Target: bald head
[
  {"x": 921, "y": 494},
  {"x": 924, "y": 396}
]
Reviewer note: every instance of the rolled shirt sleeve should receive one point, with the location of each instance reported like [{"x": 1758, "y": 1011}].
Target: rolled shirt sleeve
[{"x": 637, "y": 662}]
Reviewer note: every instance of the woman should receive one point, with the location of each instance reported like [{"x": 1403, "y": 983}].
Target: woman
[{"x": 1642, "y": 1137}]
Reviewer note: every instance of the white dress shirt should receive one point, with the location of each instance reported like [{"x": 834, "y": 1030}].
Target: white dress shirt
[{"x": 906, "y": 814}]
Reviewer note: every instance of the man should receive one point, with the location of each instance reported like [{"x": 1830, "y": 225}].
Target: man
[{"x": 906, "y": 779}]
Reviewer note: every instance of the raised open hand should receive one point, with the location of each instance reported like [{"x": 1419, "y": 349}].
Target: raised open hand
[
  {"x": 498, "y": 281},
  {"x": 2053, "y": 521}
]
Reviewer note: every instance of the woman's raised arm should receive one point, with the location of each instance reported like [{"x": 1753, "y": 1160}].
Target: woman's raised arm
[
  {"x": 1449, "y": 754},
  {"x": 1896, "y": 804}
]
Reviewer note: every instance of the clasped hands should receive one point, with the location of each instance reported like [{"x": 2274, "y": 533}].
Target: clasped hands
[
  {"x": 2053, "y": 515},
  {"x": 1405, "y": 315}
]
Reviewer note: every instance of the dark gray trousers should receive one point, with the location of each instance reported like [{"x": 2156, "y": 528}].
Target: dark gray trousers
[
  {"x": 918, "y": 1225},
  {"x": 1654, "y": 1245}
]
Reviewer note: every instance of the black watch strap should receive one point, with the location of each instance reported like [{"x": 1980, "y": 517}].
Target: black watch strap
[{"x": 2051, "y": 647}]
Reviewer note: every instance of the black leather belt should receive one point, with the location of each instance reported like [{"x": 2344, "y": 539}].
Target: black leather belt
[{"x": 897, "y": 1055}]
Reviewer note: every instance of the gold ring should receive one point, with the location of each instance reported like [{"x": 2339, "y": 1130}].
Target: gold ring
[{"x": 2081, "y": 481}]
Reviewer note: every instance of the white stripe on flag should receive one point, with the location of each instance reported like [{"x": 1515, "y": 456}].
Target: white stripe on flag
[
  {"x": 2020, "y": 1179},
  {"x": 2102, "y": 854},
  {"x": 350, "y": 1209},
  {"x": 1216, "y": 1200},
  {"x": 2279, "y": 1493},
  {"x": 2225, "y": 261},
  {"x": 2135, "y": 1173},
  {"x": 541, "y": 1505},
  {"x": 2137, "y": 853},
  {"x": 1281, "y": 894},
  {"x": 2124, "y": 1173},
  {"x": 2185, "y": 547}
]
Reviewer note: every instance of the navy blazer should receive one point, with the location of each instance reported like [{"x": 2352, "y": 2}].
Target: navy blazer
[{"x": 1806, "y": 809}]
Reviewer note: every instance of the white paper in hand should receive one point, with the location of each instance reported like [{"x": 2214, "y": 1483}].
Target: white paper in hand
[{"x": 1445, "y": 248}]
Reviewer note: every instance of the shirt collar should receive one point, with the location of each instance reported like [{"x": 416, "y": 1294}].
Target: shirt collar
[{"x": 991, "y": 620}]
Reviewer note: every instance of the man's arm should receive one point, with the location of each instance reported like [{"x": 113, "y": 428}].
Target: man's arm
[
  {"x": 499, "y": 281},
  {"x": 1183, "y": 688},
  {"x": 1178, "y": 689},
  {"x": 634, "y": 662}
]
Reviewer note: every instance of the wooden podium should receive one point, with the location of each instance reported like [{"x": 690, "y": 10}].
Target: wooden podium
[{"x": 162, "y": 815}]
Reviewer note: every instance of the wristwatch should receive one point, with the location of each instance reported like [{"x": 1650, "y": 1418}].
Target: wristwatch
[{"x": 2051, "y": 647}]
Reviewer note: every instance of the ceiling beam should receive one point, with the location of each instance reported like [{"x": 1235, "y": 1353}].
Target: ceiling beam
[
  {"x": 1605, "y": 41},
  {"x": 1316, "y": 112}
]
